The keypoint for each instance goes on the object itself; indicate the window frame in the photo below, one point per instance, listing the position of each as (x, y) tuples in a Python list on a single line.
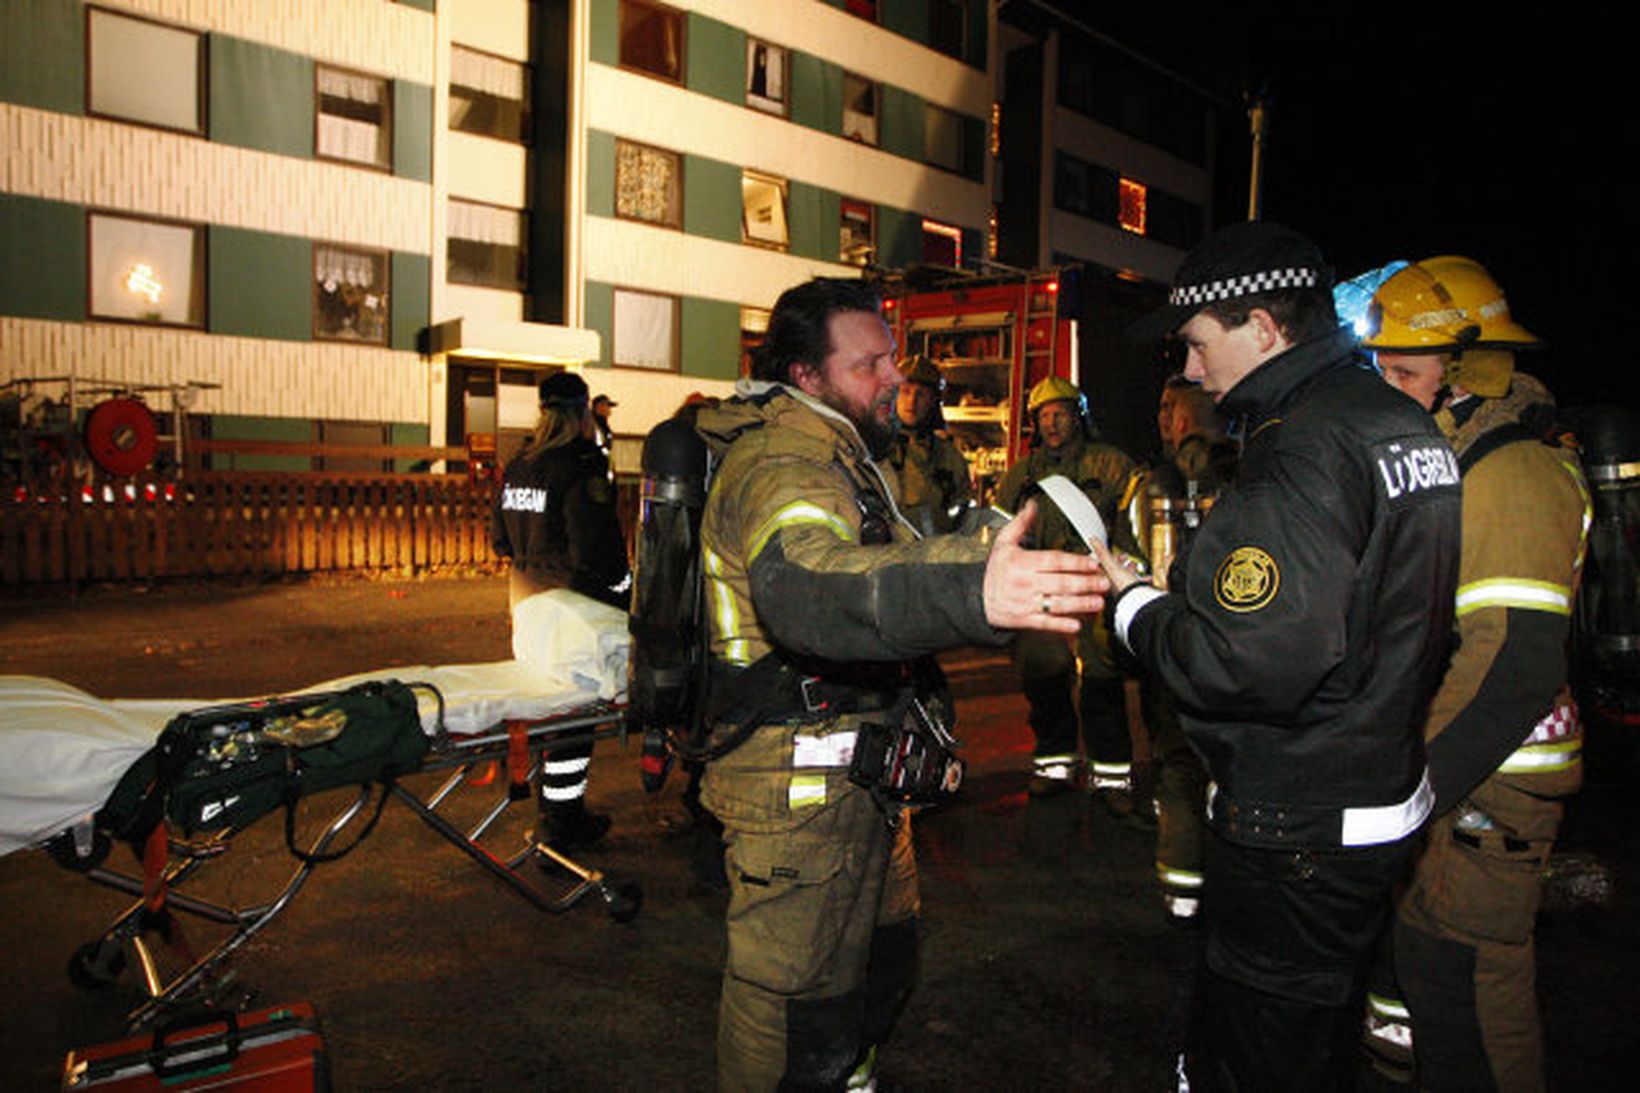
[(952, 232), (526, 118), (202, 80), (1126, 190), (676, 350), (747, 174), (870, 256), (386, 291), (784, 103), (522, 273), (683, 41), (876, 109), (198, 271), (676, 157), (385, 165)]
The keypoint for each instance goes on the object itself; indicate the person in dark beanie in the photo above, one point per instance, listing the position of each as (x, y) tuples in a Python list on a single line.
[(555, 519)]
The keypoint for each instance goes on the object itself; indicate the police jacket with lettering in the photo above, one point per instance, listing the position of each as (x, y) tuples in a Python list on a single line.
[(555, 518), (1315, 612)]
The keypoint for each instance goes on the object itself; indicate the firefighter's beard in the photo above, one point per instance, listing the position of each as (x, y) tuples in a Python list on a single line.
[(878, 424)]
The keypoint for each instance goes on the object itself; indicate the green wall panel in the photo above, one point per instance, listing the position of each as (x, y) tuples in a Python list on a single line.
[(711, 198), (411, 304), (973, 147), (42, 258), (716, 64), (287, 429), (261, 97), (261, 285), (900, 128), (42, 54), (973, 246), (899, 237), (814, 215), (413, 130), (599, 314), (605, 31), (907, 17), (410, 434), (816, 93), (600, 173), (424, 5), (711, 339)]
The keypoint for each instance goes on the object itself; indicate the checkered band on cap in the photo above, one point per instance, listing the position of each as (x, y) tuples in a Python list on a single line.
[(1232, 287)]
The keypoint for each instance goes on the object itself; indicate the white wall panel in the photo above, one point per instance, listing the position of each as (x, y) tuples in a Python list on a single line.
[(648, 110), (633, 255), (385, 38), (495, 26), (90, 161), (484, 169), (859, 46), (477, 302), (1081, 136), (258, 377), (1112, 247)]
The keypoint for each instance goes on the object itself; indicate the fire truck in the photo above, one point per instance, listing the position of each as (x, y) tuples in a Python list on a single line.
[(993, 338)]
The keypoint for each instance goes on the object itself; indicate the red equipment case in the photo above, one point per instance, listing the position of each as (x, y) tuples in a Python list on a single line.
[(270, 1051)]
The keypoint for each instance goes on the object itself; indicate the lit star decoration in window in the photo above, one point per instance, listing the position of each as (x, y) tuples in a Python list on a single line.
[(142, 281)]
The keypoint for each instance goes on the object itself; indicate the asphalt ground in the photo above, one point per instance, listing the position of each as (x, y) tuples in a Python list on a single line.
[(1046, 961)]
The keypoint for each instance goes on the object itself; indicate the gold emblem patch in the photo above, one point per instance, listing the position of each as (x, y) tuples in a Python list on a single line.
[(1247, 580)]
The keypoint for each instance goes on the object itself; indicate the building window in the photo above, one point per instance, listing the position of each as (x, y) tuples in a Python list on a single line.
[(349, 294), (859, 108), (858, 235), (766, 77), (763, 210), (754, 327), (354, 120), (145, 72), (486, 246), (942, 244), (646, 331), (948, 26), (648, 184), (652, 39), (1085, 189), (1131, 206), (942, 138), (489, 96), (146, 271)]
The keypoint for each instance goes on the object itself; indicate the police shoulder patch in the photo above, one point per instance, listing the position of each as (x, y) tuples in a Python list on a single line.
[(1247, 580)]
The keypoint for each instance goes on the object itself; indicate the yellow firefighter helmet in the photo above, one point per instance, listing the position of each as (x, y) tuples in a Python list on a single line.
[(1482, 300), (1413, 313), (1054, 389)]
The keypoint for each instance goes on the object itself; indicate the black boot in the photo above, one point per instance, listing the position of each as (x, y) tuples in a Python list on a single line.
[(567, 825)]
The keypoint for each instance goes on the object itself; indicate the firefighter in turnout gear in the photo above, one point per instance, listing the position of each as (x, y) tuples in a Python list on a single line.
[(1503, 734), (555, 519), (1048, 667), (933, 475), (1165, 506), (820, 599)]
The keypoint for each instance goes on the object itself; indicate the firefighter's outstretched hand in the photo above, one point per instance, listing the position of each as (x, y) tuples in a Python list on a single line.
[(1039, 589)]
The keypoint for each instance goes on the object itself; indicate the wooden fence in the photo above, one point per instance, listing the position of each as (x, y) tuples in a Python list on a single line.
[(251, 523)]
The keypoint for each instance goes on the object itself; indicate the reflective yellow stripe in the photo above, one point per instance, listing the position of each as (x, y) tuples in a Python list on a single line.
[(807, 790), (1178, 878), (1393, 1008), (792, 515), (1588, 511), (1544, 758), (1514, 592), (724, 614)]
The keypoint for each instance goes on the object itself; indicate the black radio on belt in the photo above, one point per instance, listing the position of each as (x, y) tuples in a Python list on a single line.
[(911, 761)]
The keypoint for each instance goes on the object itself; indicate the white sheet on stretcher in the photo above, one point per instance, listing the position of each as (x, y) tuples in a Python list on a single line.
[(62, 751)]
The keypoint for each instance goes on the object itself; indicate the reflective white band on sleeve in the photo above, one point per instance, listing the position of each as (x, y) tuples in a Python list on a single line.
[(1503, 592), (1129, 606), (1386, 823), (563, 793), (565, 766), (833, 750)]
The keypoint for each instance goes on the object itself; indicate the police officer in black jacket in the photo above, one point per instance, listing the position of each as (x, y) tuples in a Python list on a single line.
[(1302, 645), (555, 518)]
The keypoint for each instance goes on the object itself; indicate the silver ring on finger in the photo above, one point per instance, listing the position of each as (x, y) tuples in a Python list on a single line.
[(1047, 604)]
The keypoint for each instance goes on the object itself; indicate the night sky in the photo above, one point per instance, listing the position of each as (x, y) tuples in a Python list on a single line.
[(1466, 132)]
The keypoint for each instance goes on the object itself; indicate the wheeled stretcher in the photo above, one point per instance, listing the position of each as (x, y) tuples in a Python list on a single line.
[(62, 752)]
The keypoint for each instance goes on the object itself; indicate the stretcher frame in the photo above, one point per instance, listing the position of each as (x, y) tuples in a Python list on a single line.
[(99, 962)]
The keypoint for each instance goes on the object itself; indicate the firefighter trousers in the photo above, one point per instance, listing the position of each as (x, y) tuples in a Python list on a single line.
[(1048, 675), (1464, 954)]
